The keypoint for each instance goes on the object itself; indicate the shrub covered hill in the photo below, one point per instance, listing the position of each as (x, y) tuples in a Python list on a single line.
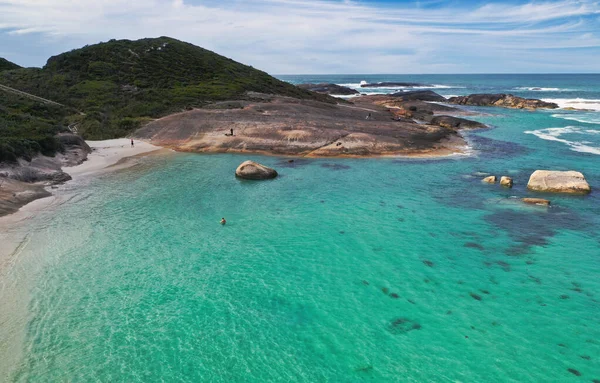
[(7, 65), (110, 89)]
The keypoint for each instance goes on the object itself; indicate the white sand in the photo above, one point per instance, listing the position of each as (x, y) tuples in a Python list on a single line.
[(105, 154)]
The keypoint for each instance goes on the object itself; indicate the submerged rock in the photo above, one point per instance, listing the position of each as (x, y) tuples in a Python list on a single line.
[(536, 201), (549, 181), (506, 181), (251, 170), (490, 179), (503, 100)]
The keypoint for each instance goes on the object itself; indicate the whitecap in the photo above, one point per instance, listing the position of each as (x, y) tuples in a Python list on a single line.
[(554, 134), (588, 118), (541, 89), (575, 103)]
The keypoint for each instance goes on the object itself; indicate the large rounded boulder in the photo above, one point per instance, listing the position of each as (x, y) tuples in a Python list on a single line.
[(549, 181), (251, 170)]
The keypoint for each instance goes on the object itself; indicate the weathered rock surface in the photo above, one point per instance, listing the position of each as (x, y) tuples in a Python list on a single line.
[(14, 194), (549, 181), (490, 179), (503, 100), (332, 89), (251, 170), (419, 95), (284, 126), (452, 122), (389, 84), (506, 181), (536, 201)]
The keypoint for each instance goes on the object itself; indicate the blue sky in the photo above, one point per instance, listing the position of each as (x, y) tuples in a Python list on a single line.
[(326, 36)]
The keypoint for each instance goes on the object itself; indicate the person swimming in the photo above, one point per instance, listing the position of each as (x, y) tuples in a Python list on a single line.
[(223, 222)]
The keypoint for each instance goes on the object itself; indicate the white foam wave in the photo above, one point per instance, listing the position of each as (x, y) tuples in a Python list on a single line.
[(540, 89), (554, 134), (575, 103), (585, 117)]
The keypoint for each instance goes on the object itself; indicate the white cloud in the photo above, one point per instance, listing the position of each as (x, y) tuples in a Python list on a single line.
[(311, 36)]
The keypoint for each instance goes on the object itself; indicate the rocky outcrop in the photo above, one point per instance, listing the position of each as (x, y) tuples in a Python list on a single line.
[(286, 126), (14, 194), (419, 95), (332, 89), (451, 122), (251, 170), (502, 100), (490, 179), (570, 182), (536, 201), (506, 181), (389, 84), (76, 149)]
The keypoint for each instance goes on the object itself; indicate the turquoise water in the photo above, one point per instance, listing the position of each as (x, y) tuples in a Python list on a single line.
[(377, 270)]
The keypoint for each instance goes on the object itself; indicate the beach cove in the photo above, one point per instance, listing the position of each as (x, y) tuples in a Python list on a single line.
[(339, 269)]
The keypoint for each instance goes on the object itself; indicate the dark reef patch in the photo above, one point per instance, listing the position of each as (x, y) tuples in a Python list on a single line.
[(491, 148), (574, 372), (295, 163), (403, 326), (335, 166), (428, 263), (535, 228), (505, 266), (394, 295), (474, 245), (475, 296)]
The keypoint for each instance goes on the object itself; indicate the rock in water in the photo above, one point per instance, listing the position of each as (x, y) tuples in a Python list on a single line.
[(506, 181), (536, 201), (570, 182), (503, 100), (251, 170), (490, 179)]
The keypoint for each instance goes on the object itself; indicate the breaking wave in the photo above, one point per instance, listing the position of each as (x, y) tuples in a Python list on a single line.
[(583, 146)]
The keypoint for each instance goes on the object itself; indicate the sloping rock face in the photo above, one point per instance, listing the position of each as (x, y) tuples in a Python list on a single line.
[(490, 179), (251, 170), (419, 95), (333, 89), (285, 126), (502, 100), (76, 149), (549, 181), (506, 181)]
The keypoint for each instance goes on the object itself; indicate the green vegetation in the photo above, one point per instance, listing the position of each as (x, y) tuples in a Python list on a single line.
[(7, 65), (119, 85), (28, 127)]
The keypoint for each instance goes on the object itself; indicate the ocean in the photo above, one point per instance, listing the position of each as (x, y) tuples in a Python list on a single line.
[(340, 270)]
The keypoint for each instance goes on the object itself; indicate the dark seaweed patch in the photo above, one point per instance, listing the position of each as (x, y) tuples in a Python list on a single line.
[(394, 295), (295, 163), (403, 326), (586, 357), (366, 283), (474, 245), (564, 296), (574, 372), (385, 290), (475, 296), (535, 228), (491, 148), (505, 266), (427, 262), (334, 166)]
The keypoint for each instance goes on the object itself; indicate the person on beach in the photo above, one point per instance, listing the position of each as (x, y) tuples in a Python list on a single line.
[(132, 142), (223, 222), (232, 132), (368, 116)]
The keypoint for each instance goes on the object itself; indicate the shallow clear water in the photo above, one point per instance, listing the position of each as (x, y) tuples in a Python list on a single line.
[(339, 270)]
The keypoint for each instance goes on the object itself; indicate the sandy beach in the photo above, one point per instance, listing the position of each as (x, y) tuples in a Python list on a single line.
[(107, 155)]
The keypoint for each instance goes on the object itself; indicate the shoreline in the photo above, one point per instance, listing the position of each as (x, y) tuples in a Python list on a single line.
[(107, 155)]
